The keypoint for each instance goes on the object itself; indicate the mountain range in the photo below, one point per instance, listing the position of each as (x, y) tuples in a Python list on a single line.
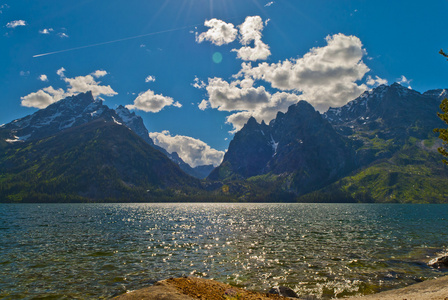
[(379, 147)]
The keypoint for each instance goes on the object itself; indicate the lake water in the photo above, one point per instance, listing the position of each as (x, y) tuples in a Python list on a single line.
[(66, 251)]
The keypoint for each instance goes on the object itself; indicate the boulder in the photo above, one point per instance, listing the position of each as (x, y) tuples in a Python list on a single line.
[(283, 291), (439, 262)]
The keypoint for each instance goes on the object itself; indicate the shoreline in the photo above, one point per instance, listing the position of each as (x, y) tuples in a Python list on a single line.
[(189, 288)]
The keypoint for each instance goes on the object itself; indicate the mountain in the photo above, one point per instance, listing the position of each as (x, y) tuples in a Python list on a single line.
[(299, 146), (382, 120), (77, 110), (78, 148), (392, 130), (379, 147)]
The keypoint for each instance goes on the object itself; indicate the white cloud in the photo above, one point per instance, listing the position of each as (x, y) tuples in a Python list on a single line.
[(24, 73), (150, 78), (325, 76), (46, 31), (80, 84), (43, 77), (375, 81), (220, 32), (14, 24), (60, 72), (193, 151), (250, 31), (404, 81), (226, 96), (279, 102), (62, 35), (150, 102), (241, 96), (99, 73), (42, 98), (269, 4), (203, 105), (199, 84), (259, 52)]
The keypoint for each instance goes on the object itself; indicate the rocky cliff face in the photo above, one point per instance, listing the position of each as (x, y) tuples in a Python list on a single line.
[(299, 145)]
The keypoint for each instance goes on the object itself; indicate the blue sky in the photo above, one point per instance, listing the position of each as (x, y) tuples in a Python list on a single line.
[(326, 52)]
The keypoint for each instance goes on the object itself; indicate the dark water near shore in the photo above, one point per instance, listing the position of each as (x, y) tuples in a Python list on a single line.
[(99, 250)]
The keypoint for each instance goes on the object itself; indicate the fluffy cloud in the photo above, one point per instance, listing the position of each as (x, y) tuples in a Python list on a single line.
[(199, 84), (404, 81), (60, 72), (62, 35), (279, 102), (43, 78), (80, 84), (231, 96), (259, 52), (99, 73), (42, 98), (150, 102), (325, 76), (46, 31), (193, 151), (375, 81), (241, 96), (269, 4), (220, 32), (150, 79), (250, 31), (14, 24)]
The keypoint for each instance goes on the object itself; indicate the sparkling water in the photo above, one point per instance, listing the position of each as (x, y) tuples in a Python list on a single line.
[(92, 251)]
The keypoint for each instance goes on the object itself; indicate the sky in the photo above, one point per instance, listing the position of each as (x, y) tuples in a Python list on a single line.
[(196, 70)]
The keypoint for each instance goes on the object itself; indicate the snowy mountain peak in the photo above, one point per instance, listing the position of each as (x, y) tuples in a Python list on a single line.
[(69, 112)]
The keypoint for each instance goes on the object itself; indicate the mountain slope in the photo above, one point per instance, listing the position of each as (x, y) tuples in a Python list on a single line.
[(392, 129), (299, 146), (77, 110), (97, 160)]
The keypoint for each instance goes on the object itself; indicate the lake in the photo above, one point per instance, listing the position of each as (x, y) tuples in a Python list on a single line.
[(92, 251)]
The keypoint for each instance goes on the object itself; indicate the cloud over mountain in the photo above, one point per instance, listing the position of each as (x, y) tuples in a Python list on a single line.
[(325, 76), (80, 84), (193, 151)]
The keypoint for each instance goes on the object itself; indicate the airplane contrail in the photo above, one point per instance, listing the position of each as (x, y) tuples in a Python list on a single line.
[(115, 41)]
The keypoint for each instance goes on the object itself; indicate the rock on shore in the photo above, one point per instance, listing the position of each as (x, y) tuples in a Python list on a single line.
[(190, 288)]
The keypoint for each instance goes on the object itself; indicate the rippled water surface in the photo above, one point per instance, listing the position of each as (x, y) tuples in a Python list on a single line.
[(100, 250)]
